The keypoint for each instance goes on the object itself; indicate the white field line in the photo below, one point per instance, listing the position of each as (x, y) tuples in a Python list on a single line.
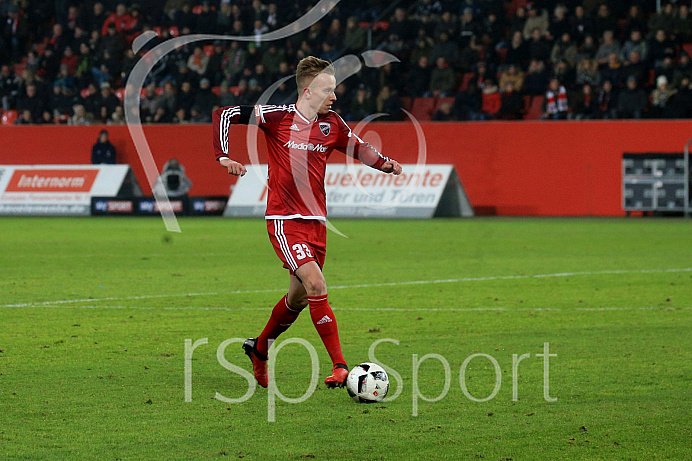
[(344, 287), (387, 309)]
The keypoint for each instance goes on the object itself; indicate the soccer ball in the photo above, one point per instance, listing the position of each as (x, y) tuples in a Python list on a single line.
[(367, 383)]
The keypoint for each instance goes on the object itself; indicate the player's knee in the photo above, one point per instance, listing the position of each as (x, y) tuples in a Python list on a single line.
[(315, 286), (298, 302)]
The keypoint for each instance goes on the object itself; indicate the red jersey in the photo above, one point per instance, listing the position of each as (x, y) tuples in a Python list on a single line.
[(298, 151)]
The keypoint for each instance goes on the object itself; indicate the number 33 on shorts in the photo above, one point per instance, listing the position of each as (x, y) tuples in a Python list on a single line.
[(301, 250)]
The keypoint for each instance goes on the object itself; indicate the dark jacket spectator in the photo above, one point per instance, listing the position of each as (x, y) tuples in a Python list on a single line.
[(632, 101), (103, 151), (511, 103)]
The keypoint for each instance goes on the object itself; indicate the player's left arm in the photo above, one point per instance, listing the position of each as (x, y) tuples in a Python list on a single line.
[(350, 144)]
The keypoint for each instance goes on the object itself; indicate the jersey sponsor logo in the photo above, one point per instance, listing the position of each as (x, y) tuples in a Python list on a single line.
[(52, 180), (305, 146), (325, 128)]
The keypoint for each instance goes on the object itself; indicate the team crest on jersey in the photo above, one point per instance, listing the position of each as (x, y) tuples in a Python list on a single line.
[(325, 128)]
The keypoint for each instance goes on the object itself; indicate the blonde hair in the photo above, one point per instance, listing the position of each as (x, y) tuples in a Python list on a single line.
[(309, 68)]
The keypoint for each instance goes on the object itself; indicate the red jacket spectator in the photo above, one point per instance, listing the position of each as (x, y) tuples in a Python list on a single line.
[(121, 18)]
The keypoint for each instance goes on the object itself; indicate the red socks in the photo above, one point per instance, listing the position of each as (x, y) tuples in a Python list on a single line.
[(325, 323), (282, 317), (322, 316)]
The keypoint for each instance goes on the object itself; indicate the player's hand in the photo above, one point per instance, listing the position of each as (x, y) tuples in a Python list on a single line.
[(234, 168), (391, 166)]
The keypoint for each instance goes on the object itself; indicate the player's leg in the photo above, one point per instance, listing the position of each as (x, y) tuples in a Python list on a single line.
[(283, 315), (324, 320)]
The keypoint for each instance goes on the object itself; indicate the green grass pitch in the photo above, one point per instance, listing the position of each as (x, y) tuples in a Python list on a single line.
[(95, 314)]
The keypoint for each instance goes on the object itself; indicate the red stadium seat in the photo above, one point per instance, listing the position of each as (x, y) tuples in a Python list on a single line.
[(535, 109), (120, 93), (407, 102), (8, 117), (688, 48), (423, 108), (173, 30), (216, 90)]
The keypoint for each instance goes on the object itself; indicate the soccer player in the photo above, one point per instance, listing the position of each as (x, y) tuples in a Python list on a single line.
[(300, 137)]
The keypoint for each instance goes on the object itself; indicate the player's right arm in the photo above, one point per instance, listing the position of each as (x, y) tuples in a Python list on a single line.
[(221, 120)]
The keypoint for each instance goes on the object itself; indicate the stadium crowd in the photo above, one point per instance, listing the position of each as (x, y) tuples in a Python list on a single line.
[(68, 61)]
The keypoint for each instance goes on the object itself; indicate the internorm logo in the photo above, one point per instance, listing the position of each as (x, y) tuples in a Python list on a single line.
[(345, 66)]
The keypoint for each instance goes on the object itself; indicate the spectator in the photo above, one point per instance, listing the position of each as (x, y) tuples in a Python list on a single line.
[(683, 24), (443, 113), (121, 20), (511, 103), (681, 102), (682, 70), (604, 21), (205, 100), (31, 102), (606, 101), (9, 87), (205, 21), (613, 71), (185, 98), (103, 152), (167, 98), (362, 104), (419, 78), (564, 73), (106, 102), (660, 48), (663, 20), (564, 49), (517, 22), (491, 100), (442, 79), (556, 105), (80, 116), (587, 72), (634, 21), (635, 43), (513, 75), (61, 103), (468, 28), (15, 29), (636, 68), (25, 118), (388, 102), (198, 61), (355, 37), (536, 78), (632, 101), (445, 48), (468, 103), (559, 24), (584, 103), (518, 51), (539, 47), (660, 98), (587, 49), (535, 21), (607, 48), (581, 25)]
